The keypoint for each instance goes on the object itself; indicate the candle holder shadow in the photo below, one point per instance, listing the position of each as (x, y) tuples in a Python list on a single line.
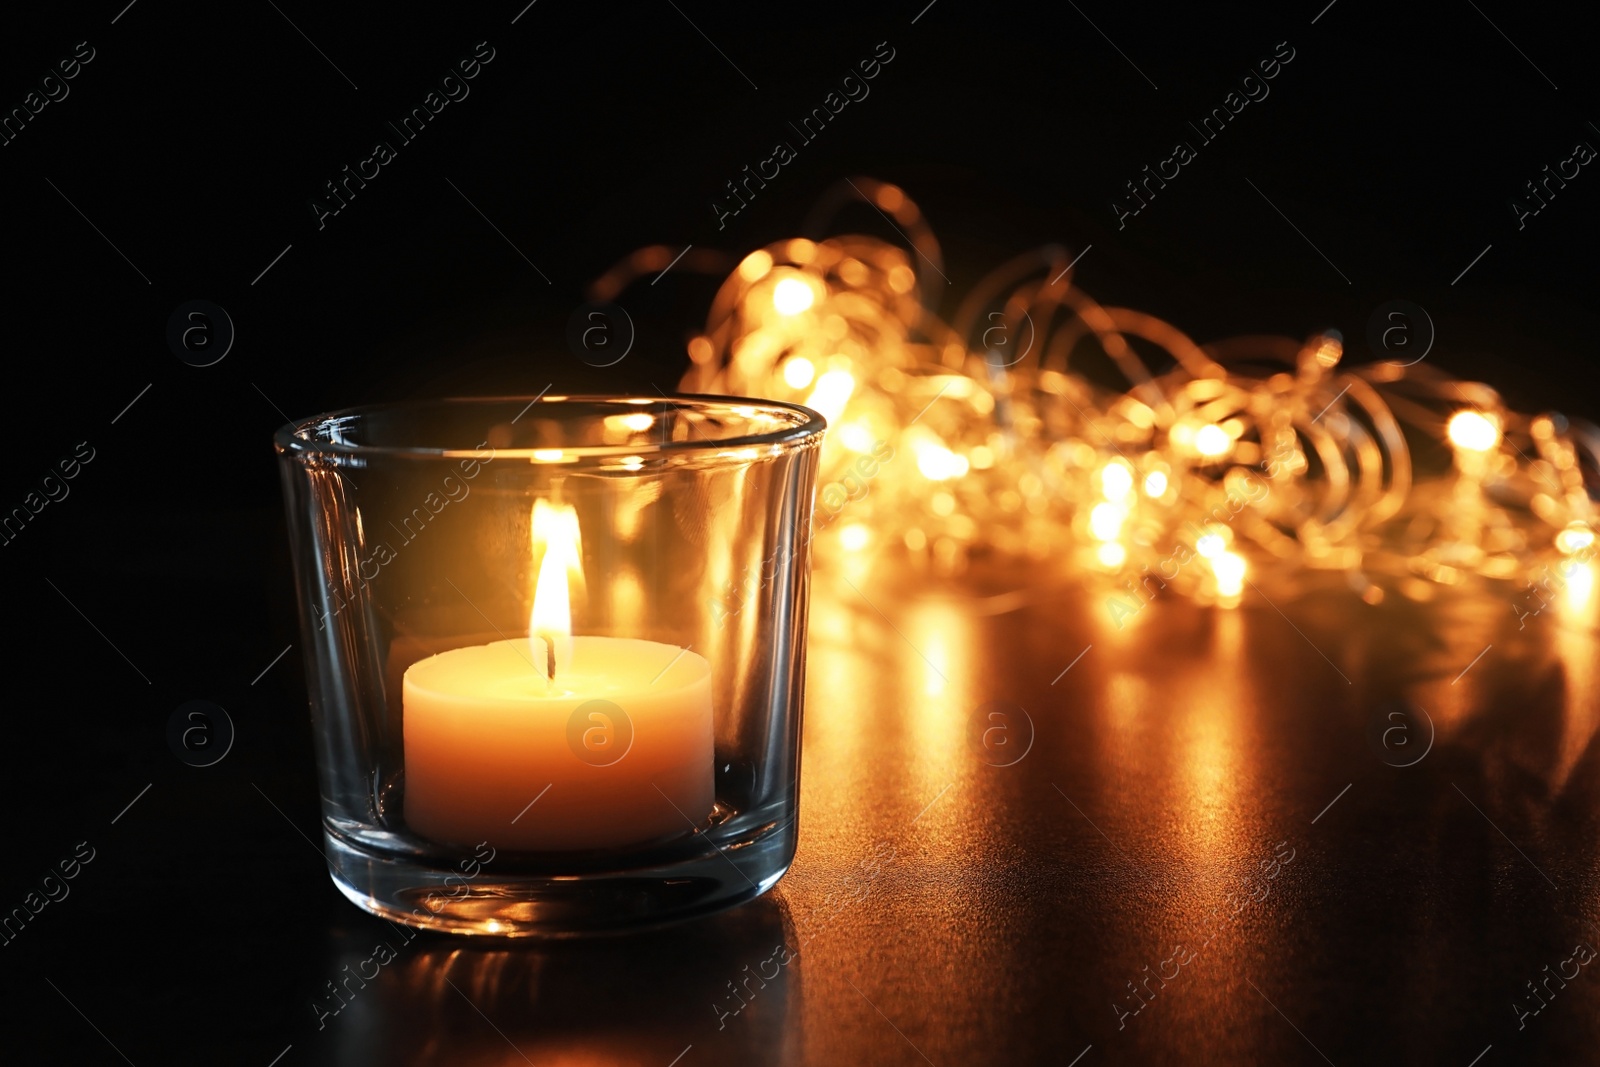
[(555, 653)]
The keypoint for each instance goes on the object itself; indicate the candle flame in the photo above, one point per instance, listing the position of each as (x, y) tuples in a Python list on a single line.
[(555, 533)]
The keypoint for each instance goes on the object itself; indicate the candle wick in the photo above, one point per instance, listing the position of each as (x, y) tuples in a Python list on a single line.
[(549, 659)]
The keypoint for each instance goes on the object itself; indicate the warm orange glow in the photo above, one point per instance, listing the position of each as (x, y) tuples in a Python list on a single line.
[(1473, 431), (1116, 480), (754, 267), (939, 662), (798, 372), (628, 596), (1575, 538), (1105, 521), (1038, 455), (620, 427), (1229, 568), (856, 437), (1212, 441), (1212, 543), (854, 537), (1580, 589), (792, 296), (831, 394), (936, 462)]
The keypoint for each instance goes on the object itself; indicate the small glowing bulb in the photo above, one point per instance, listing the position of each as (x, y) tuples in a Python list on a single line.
[(856, 437), (1111, 554), (792, 296), (1210, 544), (937, 463), (547, 455), (1212, 440), (1105, 521), (831, 393), (1229, 568), (639, 422), (1575, 538), (1473, 431), (798, 372), (1116, 480), (854, 537), (754, 267), (1155, 483)]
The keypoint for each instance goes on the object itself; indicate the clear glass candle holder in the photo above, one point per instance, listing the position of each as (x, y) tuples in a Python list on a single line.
[(555, 652)]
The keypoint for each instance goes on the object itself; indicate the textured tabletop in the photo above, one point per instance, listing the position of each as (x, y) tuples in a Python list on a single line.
[(1327, 833)]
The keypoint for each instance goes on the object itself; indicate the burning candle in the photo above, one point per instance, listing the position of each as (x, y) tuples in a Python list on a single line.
[(556, 742)]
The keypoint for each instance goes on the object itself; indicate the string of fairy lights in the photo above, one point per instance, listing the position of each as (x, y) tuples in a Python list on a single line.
[(1259, 463)]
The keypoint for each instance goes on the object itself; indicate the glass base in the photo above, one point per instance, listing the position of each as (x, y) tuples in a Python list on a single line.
[(500, 902)]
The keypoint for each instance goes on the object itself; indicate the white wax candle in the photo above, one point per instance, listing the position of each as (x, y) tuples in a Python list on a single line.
[(487, 735)]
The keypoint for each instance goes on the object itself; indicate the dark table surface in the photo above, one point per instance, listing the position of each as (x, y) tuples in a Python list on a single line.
[(1327, 833)]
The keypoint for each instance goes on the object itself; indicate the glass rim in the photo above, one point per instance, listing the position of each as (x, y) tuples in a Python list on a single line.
[(806, 430)]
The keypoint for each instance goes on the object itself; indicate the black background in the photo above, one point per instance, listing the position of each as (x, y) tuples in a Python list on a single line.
[(1395, 140)]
